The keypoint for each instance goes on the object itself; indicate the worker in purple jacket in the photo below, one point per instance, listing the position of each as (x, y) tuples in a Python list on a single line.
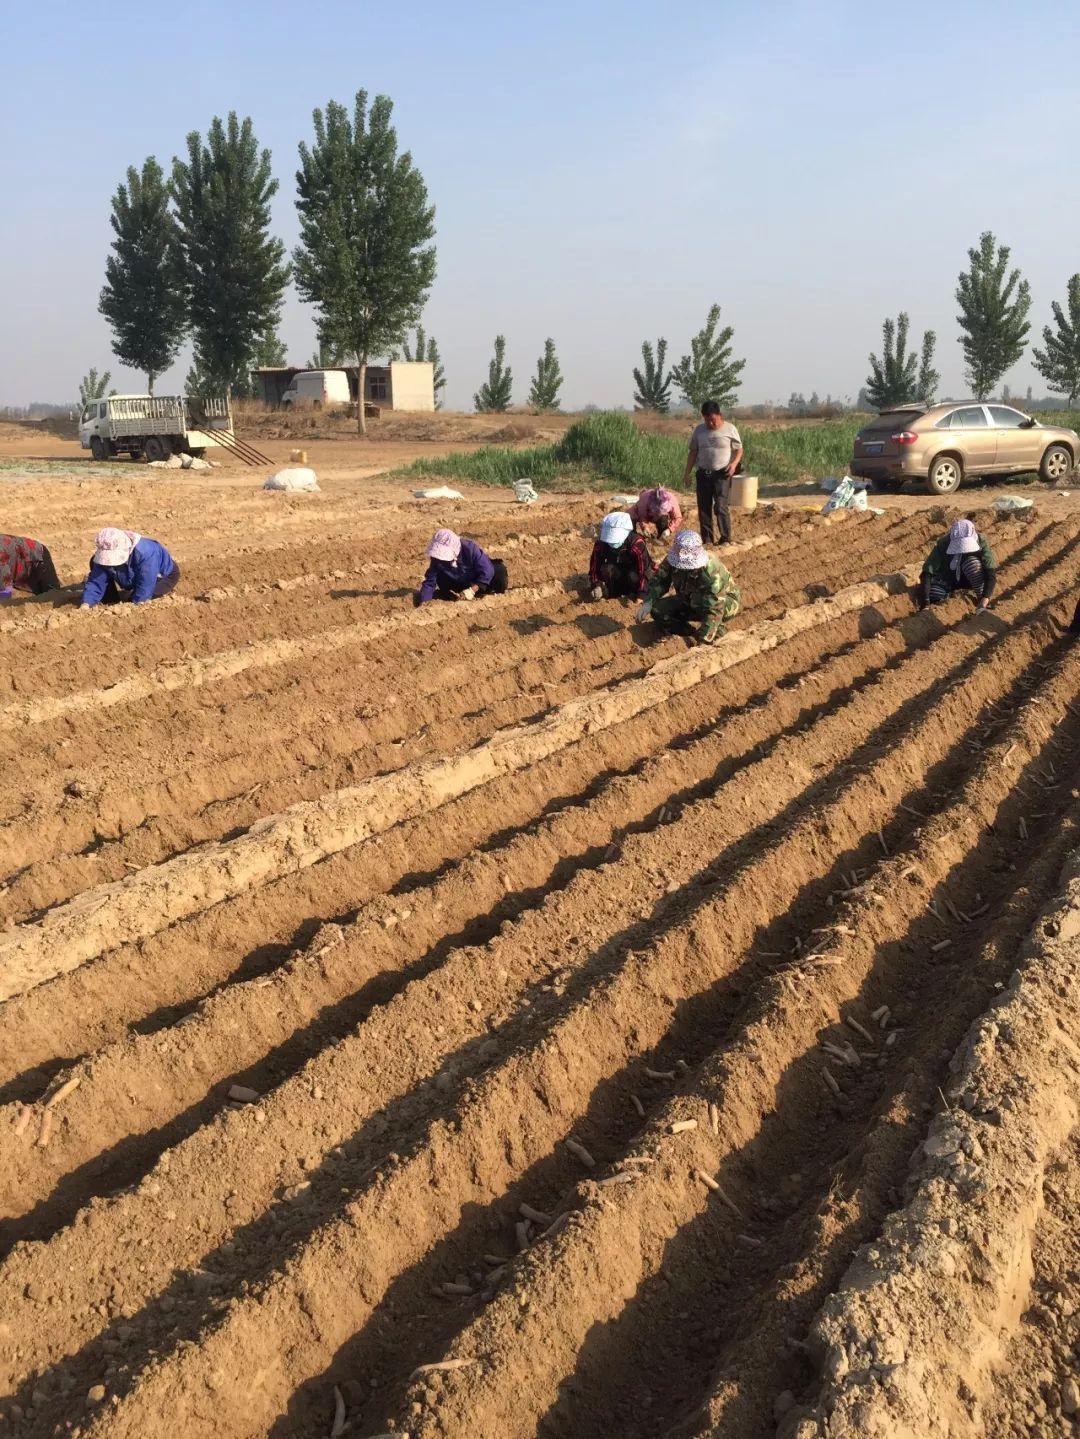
[(128, 566), (459, 570)]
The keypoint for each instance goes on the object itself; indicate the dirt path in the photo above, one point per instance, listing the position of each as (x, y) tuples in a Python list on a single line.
[(589, 996)]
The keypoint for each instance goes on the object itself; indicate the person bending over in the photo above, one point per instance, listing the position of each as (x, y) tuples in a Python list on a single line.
[(128, 567), (459, 570), (960, 560), (25, 564), (657, 507), (704, 593), (620, 562)]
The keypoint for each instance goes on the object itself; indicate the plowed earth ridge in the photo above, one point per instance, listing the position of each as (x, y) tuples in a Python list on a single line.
[(568, 919)]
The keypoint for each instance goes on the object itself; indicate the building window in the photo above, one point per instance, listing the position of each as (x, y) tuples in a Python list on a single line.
[(378, 387)]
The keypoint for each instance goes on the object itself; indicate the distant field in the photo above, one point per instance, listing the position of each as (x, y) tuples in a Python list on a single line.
[(609, 449)]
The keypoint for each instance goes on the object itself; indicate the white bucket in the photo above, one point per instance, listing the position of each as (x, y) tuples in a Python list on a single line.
[(744, 492)]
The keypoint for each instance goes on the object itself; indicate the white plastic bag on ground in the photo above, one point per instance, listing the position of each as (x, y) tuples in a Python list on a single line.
[(174, 462), (1008, 504), (845, 497), (440, 492), (292, 477), (525, 492), (620, 500)]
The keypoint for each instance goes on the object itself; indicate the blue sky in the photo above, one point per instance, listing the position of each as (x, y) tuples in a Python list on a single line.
[(602, 172)]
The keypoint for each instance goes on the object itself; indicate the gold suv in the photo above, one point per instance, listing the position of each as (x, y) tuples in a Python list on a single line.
[(945, 444)]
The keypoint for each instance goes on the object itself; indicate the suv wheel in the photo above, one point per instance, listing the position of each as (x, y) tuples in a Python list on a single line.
[(1056, 464), (944, 476), (97, 447)]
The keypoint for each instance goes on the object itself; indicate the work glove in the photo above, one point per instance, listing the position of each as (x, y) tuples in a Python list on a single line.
[(597, 592), (644, 610), (709, 632), (469, 593)]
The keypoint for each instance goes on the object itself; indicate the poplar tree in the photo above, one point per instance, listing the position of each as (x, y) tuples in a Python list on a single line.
[(994, 303), (143, 296), (901, 377), (653, 383), (365, 257), (93, 387), (709, 372), (494, 394), (235, 270), (547, 382), (1059, 361)]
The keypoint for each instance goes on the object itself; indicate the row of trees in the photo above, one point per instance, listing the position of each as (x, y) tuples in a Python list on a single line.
[(494, 395), (994, 302), (708, 372), (193, 254)]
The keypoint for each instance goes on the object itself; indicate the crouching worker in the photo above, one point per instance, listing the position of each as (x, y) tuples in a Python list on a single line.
[(620, 563), (657, 507), (25, 564), (459, 570), (704, 591), (128, 567), (961, 560)]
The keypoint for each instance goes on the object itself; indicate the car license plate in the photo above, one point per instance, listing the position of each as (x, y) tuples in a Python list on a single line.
[(874, 449)]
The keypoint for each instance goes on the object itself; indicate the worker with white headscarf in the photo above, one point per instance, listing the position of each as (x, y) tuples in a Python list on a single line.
[(620, 562), (128, 566), (960, 560), (704, 591)]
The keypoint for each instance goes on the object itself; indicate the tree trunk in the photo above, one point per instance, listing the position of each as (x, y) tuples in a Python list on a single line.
[(150, 382), (361, 388)]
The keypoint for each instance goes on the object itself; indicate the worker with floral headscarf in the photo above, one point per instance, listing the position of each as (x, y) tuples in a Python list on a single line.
[(703, 591), (657, 507), (459, 569), (961, 560), (25, 564), (128, 566)]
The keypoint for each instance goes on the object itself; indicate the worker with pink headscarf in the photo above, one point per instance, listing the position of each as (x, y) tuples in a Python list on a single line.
[(128, 566), (960, 560), (657, 507), (459, 569)]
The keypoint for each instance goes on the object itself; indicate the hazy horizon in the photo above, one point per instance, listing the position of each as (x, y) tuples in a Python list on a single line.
[(597, 176)]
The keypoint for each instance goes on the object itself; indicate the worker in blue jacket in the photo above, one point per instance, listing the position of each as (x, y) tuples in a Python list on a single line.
[(458, 569), (127, 566)]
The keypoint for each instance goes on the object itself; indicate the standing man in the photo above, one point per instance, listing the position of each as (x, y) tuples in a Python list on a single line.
[(715, 452)]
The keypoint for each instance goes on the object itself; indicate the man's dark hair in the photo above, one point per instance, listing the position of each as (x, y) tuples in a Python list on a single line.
[(710, 407)]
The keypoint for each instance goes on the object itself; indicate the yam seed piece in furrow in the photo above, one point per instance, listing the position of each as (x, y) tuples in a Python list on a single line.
[(589, 1041), (153, 898), (301, 994), (610, 1249)]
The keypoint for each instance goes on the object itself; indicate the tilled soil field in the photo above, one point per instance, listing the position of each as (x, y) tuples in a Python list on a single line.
[(495, 1020)]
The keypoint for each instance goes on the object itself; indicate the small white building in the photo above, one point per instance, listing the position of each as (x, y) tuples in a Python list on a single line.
[(400, 385)]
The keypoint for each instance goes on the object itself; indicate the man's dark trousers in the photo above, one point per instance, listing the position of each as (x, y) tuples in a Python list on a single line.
[(713, 497)]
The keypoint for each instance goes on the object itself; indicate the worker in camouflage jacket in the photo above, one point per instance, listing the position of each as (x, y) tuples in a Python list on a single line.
[(704, 592)]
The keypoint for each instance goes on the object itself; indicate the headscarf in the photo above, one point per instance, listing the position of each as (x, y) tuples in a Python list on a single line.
[(113, 546), (615, 529), (663, 501), (963, 540), (687, 551), (445, 545)]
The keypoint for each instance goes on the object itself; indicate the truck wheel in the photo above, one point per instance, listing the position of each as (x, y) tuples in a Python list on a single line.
[(945, 475), (156, 448), (97, 447)]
